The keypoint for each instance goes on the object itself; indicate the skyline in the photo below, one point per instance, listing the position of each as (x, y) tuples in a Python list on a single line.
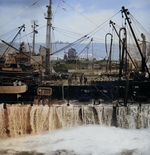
[(71, 20)]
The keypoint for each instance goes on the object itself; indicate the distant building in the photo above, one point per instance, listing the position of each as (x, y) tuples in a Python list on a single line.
[(72, 53)]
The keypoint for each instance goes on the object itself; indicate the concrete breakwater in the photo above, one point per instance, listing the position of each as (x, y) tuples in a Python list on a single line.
[(18, 120)]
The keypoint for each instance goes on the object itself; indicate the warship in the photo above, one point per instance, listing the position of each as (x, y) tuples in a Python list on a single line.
[(20, 82), (36, 97)]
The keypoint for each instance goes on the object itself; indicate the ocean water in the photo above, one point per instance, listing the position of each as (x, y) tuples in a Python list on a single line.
[(81, 140)]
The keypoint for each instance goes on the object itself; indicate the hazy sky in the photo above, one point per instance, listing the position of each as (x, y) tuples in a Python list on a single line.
[(79, 17)]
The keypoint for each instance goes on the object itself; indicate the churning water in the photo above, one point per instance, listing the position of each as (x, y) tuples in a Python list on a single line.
[(83, 140), (80, 130)]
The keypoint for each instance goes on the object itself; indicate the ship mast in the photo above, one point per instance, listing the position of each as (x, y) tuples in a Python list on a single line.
[(144, 65), (48, 37), (34, 32)]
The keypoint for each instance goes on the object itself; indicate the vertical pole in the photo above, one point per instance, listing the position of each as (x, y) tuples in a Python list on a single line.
[(110, 53), (143, 46), (108, 66), (34, 32), (48, 37), (124, 47), (62, 93), (92, 57), (33, 38), (87, 53), (68, 94), (76, 63), (126, 92)]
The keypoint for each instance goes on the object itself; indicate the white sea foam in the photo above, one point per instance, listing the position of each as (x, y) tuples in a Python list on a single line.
[(84, 140)]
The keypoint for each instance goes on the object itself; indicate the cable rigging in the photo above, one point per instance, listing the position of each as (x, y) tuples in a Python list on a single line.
[(80, 13), (9, 32), (99, 26), (20, 13), (65, 34), (66, 31), (12, 34), (40, 7), (86, 47), (132, 17), (71, 44), (95, 30), (56, 8)]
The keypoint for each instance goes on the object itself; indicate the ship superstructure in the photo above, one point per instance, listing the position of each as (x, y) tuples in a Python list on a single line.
[(128, 82)]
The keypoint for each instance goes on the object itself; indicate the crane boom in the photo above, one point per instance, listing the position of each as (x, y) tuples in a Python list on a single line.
[(7, 49)]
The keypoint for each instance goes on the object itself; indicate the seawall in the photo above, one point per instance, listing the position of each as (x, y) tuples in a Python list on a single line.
[(18, 120)]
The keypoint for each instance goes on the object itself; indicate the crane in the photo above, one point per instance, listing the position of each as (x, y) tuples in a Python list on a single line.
[(8, 48)]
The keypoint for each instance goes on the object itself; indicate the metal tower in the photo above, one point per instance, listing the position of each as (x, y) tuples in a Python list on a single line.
[(48, 37), (34, 32)]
